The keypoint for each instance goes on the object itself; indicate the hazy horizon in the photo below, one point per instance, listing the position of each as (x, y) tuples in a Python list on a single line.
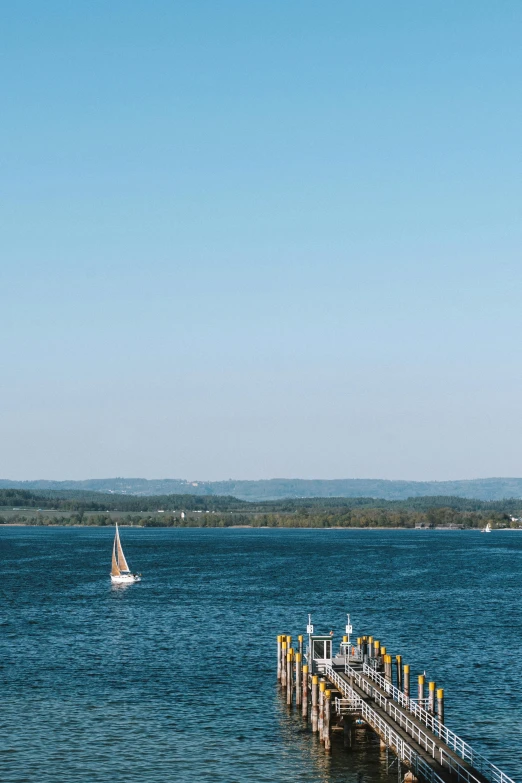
[(261, 240), (201, 480)]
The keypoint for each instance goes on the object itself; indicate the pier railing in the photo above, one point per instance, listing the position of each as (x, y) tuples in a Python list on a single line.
[(452, 740), (343, 706), (392, 739)]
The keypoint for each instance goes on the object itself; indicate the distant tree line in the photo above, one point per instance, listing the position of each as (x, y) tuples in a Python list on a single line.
[(364, 517), (79, 501)]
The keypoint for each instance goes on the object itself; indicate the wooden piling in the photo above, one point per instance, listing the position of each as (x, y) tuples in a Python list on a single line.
[(348, 732), (422, 680), (315, 711), (432, 687), (388, 667), (298, 679), (304, 711), (326, 721), (300, 640), (279, 640), (406, 688), (322, 688), (398, 661), (283, 661), (289, 678), (440, 704), (376, 649)]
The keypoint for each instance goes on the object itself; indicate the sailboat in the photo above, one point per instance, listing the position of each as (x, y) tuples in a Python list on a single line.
[(120, 573), (486, 529)]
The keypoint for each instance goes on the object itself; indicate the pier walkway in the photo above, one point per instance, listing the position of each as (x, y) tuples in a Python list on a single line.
[(356, 686), (425, 753)]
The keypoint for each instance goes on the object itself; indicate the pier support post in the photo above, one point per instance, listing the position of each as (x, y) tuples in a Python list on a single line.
[(407, 680), (322, 688), (300, 640), (398, 660), (348, 732), (421, 681), (298, 679), (382, 655), (440, 704), (289, 678), (279, 640), (431, 697), (388, 667), (315, 693), (376, 650), (304, 711), (283, 662), (326, 721)]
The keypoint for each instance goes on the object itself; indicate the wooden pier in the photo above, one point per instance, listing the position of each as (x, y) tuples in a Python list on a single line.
[(361, 684)]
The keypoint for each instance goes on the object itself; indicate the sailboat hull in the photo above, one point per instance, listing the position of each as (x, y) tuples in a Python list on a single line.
[(125, 579)]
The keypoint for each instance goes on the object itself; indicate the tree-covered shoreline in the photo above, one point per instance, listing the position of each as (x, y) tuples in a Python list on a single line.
[(96, 509)]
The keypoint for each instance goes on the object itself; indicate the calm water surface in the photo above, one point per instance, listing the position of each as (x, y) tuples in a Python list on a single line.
[(173, 679)]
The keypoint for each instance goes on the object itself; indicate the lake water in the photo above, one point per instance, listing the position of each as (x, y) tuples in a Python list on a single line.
[(174, 679)]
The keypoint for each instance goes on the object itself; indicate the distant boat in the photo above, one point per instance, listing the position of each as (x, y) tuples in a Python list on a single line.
[(486, 529), (120, 572)]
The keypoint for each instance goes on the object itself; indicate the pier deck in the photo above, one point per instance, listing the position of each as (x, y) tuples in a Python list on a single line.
[(412, 728), (403, 732)]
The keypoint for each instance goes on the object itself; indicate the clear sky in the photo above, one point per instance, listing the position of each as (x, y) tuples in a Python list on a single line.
[(261, 238)]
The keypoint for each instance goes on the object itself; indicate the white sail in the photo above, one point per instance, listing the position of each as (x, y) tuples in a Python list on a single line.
[(122, 563), (115, 570), (120, 571)]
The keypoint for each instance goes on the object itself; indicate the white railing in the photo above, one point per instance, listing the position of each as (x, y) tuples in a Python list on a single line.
[(393, 740), (462, 748), (342, 706)]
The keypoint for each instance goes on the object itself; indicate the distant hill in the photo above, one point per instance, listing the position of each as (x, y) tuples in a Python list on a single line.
[(276, 489)]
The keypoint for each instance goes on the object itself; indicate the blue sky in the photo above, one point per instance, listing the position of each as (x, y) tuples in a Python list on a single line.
[(257, 239)]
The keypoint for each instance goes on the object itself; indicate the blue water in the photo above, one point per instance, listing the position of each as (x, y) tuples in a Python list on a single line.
[(174, 679)]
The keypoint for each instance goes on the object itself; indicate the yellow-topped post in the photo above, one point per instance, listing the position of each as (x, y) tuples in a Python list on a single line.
[(421, 681), (300, 640), (315, 695), (387, 666), (432, 687), (406, 688), (322, 688), (304, 711), (398, 661), (289, 682), (440, 704), (326, 721), (283, 661), (298, 658)]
